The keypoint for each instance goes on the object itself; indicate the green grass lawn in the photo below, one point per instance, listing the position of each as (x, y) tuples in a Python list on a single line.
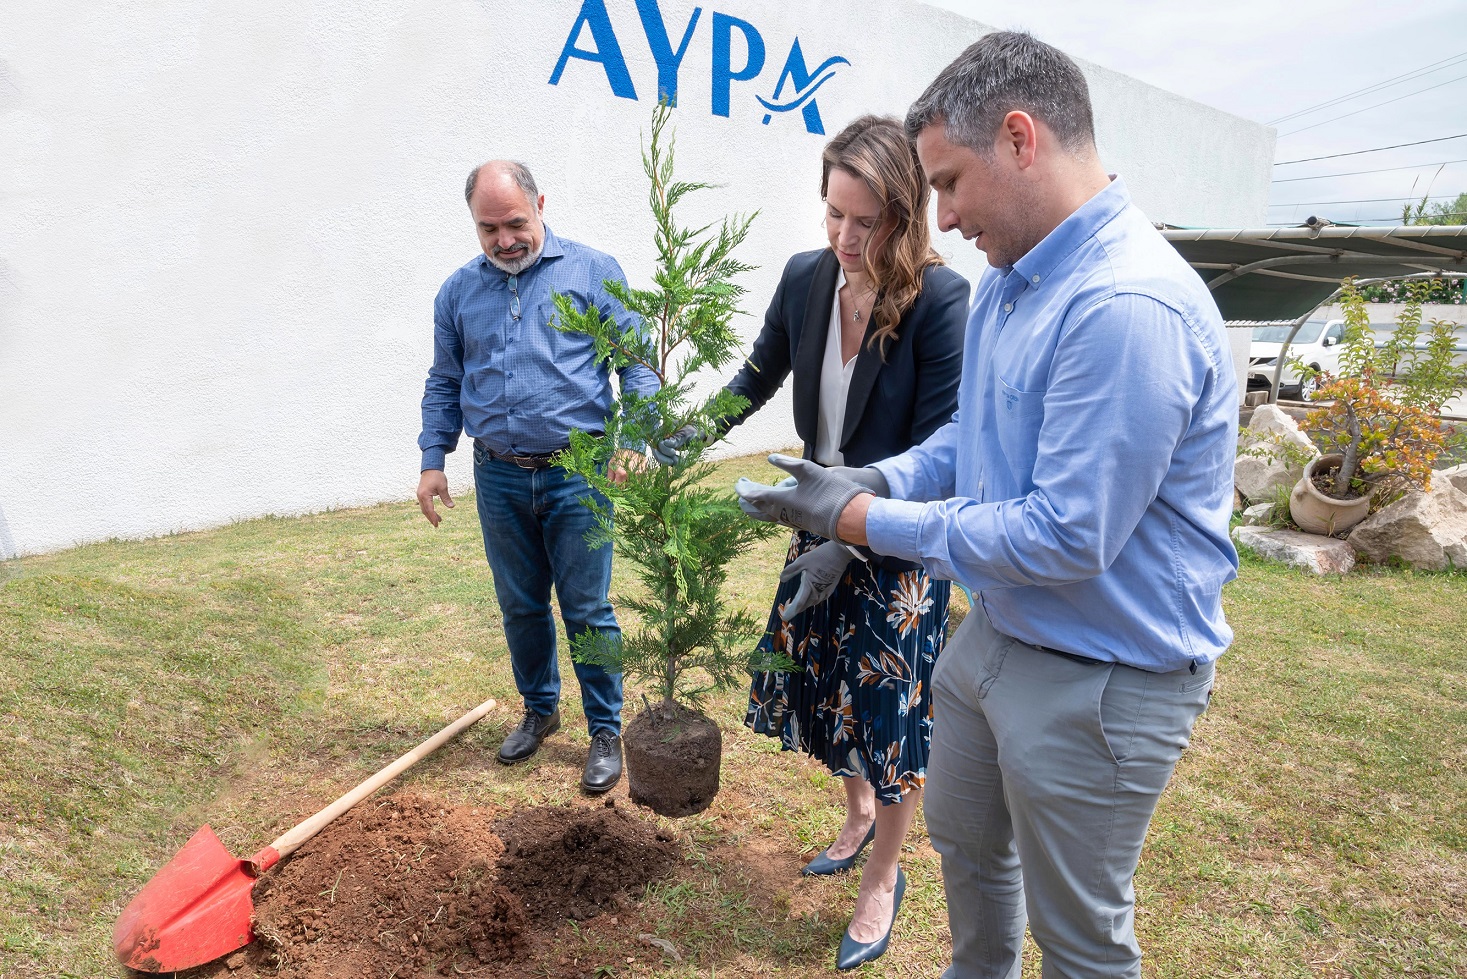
[(245, 676)]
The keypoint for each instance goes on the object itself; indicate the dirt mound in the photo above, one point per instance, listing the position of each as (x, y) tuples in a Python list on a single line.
[(406, 886), (399, 886), (567, 862)]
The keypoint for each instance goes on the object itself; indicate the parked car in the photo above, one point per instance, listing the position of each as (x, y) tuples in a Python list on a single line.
[(1317, 344)]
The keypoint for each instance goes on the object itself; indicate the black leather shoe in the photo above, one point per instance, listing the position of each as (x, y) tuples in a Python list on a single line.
[(525, 740), (853, 953), (824, 865), (603, 763)]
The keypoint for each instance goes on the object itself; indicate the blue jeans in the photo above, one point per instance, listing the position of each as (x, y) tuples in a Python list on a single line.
[(535, 528)]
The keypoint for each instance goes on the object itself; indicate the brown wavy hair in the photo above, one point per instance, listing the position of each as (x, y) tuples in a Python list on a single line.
[(875, 150)]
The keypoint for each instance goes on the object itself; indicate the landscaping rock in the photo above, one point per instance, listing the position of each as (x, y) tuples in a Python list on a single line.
[(1258, 478), (1456, 475), (1322, 555), (1275, 420), (1424, 529), (1257, 515)]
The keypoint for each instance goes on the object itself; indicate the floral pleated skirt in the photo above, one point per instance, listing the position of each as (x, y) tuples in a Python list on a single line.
[(859, 698)]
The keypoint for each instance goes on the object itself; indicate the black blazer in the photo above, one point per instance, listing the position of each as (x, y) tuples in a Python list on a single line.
[(893, 404)]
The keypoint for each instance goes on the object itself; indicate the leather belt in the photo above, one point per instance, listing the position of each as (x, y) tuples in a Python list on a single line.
[(534, 460), (1074, 657)]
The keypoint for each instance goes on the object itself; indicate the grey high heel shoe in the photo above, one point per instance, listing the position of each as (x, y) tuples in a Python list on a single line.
[(853, 953), (823, 865)]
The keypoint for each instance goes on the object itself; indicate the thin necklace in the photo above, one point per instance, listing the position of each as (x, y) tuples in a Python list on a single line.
[(856, 309)]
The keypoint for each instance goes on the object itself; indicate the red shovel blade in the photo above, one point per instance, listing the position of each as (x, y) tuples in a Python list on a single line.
[(194, 910)]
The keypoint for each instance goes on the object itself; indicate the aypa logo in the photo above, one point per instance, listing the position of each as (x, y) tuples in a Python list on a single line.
[(794, 89)]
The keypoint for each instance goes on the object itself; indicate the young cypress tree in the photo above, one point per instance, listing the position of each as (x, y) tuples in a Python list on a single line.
[(679, 532)]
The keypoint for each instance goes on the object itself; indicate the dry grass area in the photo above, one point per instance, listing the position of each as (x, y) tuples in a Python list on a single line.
[(245, 676)]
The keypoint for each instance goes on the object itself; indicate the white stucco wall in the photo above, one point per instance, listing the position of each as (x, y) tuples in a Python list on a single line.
[(222, 224)]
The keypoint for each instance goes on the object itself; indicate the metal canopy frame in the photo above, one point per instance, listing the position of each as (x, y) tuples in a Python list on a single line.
[(1274, 273)]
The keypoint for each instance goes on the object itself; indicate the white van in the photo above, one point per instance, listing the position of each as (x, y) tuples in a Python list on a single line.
[(1317, 344)]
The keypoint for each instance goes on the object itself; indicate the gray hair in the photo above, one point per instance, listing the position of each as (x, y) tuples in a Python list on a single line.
[(514, 168), (999, 73)]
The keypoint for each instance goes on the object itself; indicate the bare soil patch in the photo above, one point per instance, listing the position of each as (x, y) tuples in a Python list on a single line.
[(565, 862), (406, 886), (401, 886)]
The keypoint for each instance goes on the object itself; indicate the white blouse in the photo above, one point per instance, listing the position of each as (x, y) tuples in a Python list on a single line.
[(835, 382)]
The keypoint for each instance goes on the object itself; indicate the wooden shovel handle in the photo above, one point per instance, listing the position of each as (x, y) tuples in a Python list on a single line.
[(292, 839)]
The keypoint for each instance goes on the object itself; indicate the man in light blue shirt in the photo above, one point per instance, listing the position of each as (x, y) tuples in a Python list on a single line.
[(1082, 491), (517, 386)]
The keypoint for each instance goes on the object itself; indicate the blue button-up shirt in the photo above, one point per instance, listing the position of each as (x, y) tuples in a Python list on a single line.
[(503, 374), (1083, 488)]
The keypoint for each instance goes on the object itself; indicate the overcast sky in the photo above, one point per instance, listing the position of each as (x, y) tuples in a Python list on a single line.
[(1267, 59)]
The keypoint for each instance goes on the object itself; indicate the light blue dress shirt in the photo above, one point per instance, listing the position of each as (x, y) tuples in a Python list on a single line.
[(1084, 486), (502, 374)]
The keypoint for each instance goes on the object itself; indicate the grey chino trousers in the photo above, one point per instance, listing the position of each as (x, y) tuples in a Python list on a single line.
[(1043, 776)]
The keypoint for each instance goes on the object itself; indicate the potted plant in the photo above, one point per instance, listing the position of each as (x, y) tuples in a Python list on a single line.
[(679, 532), (1376, 423)]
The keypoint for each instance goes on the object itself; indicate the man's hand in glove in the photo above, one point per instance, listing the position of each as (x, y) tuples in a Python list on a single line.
[(821, 568), (813, 502), (668, 451), (868, 477)]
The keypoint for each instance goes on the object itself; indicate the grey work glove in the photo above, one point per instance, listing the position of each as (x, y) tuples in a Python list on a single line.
[(668, 451), (867, 477), (813, 503), (820, 569), (751, 509)]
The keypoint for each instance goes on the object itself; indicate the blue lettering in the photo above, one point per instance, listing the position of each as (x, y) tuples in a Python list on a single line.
[(723, 73), (805, 84), (795, 88), (660, 42), (607, 52)]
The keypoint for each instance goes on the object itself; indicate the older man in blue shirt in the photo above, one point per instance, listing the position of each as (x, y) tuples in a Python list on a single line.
[(1082, 491), (517, 386)]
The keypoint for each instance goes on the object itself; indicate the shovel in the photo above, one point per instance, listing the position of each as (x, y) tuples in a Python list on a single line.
[(198, 907)]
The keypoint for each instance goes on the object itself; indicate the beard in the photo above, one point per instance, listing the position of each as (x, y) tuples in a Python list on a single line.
[(515, 266), (1019, 233)]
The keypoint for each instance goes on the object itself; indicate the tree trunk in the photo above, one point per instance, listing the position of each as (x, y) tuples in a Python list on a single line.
[(1346, 473)]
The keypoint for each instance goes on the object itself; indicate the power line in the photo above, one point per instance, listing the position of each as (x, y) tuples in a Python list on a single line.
[(1387, 83), (1393, 80), (1356, 112), (1371, 200), (1357, 173), (1376, 149)]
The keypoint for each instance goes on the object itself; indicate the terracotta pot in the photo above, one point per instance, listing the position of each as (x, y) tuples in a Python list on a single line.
[(1317, 513)]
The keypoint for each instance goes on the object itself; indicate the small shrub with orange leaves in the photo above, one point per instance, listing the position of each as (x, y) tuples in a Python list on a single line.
[(1380, 412)]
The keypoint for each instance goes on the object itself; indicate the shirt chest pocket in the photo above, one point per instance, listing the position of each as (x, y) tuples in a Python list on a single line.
[(1020, 415), (483, 340)]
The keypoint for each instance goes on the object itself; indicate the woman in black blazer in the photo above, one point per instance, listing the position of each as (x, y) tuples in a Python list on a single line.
[(872, 329)]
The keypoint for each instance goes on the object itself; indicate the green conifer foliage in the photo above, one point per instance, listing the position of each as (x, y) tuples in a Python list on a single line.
[(679, 532)]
